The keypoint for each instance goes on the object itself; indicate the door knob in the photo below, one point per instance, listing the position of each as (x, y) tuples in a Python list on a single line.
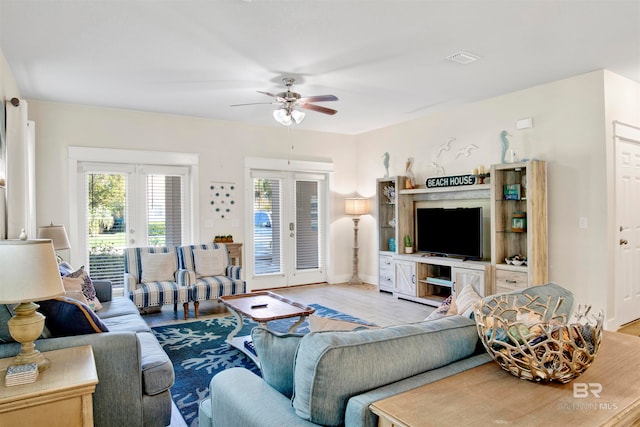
[(624, 242)]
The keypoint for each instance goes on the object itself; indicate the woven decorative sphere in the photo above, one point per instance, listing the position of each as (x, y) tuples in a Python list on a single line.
[(533, 342)]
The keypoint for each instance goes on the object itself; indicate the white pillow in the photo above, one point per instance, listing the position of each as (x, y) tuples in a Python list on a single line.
[(465, 300), (209, 262), (160, 267)]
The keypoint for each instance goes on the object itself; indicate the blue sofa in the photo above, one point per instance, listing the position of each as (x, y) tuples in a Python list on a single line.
[(330, 378), (134, 372)]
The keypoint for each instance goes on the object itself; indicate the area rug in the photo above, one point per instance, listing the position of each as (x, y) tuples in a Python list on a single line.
[(198, 351)]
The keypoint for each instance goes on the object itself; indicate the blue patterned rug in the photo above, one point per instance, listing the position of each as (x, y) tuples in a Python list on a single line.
[(198, 351)]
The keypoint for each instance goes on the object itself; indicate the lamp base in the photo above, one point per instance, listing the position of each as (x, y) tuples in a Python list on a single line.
[(355, 280), (26, 327)]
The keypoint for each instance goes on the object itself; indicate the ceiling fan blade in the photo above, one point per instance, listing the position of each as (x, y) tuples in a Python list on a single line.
[(277, 97), (254, 103), (317, 108), (319, 98)]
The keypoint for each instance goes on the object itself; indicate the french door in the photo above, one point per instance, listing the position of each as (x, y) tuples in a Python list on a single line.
[(124, 205), (288, 245)]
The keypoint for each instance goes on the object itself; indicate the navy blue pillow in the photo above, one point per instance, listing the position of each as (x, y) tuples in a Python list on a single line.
[(65, 317)]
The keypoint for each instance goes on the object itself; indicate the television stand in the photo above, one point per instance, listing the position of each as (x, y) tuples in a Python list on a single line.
[(431, 279)]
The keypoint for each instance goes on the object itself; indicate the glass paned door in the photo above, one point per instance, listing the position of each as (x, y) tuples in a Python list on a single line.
[(288, 223), (131, 205)]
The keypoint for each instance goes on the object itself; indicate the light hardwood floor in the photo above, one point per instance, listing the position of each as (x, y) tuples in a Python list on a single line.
[(362, 301)]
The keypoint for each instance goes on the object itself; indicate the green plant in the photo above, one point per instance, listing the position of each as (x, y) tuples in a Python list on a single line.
[(407, 241)]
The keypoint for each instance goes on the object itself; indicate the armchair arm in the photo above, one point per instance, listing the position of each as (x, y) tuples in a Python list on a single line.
[(185, 277), (130, 283), (234, 271)]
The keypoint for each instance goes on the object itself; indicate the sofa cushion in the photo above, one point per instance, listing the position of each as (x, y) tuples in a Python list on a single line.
[(5, 314), (117, 307), (65, 317), (127, 322), (157, 369), (277, 353), (331, 367)]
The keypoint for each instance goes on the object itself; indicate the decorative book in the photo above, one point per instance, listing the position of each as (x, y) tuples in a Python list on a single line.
[(512, 191), (21, 374), (249, 346)]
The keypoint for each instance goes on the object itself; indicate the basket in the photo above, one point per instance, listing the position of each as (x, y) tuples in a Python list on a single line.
[(532, 341)]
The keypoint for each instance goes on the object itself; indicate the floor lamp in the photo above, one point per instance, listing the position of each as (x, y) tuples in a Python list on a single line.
[(356, 206)]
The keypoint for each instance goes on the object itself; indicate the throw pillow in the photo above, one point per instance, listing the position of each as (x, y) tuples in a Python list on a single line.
[(447, 308), (465, 300), (209, 262), (88, 289), (317, 323), (65, 268), (65, 317), (160, 267), (277, 353)]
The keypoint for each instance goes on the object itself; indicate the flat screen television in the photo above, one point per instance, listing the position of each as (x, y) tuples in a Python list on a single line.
[(450, 232)]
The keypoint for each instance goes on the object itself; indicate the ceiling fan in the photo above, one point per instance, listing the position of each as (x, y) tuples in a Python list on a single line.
[(288, 101)]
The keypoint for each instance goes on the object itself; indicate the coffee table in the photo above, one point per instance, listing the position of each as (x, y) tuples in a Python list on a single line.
[(606, 394), (261, 307)]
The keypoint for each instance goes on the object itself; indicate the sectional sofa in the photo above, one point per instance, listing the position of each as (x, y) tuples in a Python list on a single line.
[(134, 372), (331, 377)]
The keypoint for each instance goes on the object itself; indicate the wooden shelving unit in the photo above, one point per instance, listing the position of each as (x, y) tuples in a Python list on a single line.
[(531, 180)]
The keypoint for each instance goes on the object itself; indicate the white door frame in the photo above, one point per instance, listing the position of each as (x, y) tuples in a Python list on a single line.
[(623, 133), (279, 165)]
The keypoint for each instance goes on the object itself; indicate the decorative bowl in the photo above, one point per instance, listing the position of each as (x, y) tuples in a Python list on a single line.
[(533, 342)]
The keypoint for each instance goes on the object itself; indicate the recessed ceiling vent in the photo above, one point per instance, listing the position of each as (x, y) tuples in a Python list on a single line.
[(463, 58)]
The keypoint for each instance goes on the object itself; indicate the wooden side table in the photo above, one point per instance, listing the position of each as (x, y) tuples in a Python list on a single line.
[(606, 394), (235, 253), (61, 396)]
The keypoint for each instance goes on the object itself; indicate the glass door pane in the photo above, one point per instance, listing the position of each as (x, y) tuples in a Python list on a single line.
[(267, 225), (307, 225), (106, 225)]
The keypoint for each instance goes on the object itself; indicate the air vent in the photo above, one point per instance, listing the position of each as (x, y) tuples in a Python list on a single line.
[(463, 58)]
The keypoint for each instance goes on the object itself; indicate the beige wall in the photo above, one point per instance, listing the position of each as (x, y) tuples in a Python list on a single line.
[(221, 146), (568, 133)]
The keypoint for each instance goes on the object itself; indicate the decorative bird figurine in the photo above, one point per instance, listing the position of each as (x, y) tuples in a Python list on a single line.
[(505, 145), (386, 164), (438, 167), (466, 151), (445, 147)]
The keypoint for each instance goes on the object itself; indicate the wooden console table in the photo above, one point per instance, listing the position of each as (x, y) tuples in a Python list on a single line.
[(61, 396), (235, 253), (608, 394)]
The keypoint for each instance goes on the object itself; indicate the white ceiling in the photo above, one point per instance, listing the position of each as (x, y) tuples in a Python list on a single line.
[(384, 60)]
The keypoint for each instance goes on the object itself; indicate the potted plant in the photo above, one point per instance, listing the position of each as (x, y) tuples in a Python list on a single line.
[(408, 246)]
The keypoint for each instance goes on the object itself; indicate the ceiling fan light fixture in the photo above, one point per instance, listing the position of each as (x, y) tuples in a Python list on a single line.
[(298, 116), (282, 116)]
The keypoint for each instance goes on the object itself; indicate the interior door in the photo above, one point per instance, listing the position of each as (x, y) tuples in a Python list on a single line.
[(627, 260), (288, 238)]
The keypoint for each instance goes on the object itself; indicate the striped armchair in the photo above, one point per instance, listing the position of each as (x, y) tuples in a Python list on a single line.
[(209, 286), (152, 278)]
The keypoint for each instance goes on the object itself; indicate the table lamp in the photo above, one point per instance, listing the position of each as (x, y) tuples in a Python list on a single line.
[(30, 273), (356, 206), (58, 234)]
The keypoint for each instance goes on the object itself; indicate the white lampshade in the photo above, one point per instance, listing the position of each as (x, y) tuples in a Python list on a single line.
[(282, 116), (29, 271), (57, 234), (298, 116), (356, 206)]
